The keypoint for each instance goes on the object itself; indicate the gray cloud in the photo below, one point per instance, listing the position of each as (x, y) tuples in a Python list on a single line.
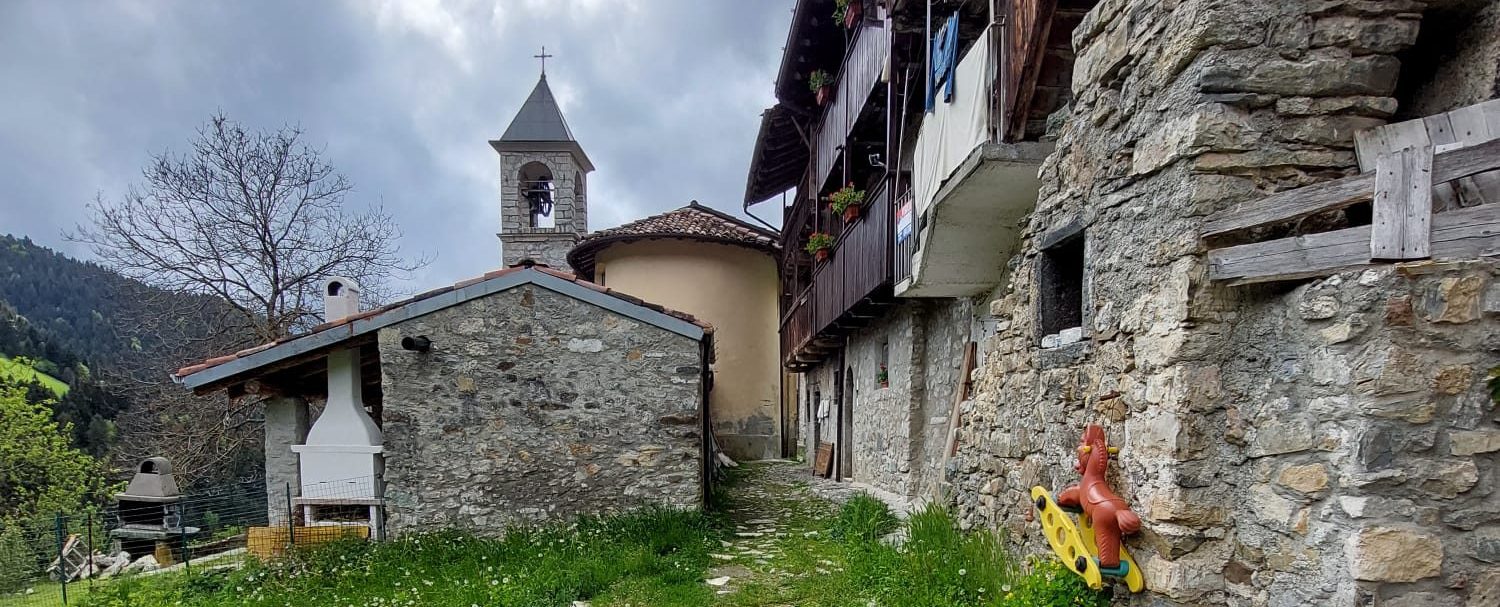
[(664, 94)]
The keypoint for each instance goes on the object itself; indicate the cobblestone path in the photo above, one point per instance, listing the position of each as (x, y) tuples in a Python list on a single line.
[(774, 508)]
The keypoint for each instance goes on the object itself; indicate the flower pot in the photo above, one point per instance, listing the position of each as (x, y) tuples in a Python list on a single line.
[(851, 213), (852, 13), (824, 92), (821, 255)]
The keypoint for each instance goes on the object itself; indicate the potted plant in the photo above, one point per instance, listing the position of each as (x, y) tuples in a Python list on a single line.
[(818, 245), (882, 377), (822, 84), (847, 11), (847, 201)]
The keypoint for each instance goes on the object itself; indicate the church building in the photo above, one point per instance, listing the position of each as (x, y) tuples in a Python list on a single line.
[(527, 394)]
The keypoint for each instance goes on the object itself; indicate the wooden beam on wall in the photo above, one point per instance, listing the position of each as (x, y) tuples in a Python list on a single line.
[(1402, 212), (1464, 233), (1295, 204)]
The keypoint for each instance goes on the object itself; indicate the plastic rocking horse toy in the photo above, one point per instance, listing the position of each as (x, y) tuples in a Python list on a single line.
[(1092, 548)]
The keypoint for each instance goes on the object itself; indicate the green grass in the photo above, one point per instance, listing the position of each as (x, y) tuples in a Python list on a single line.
[(48, 594), (651, 557), (21, 372), (825, 556), (843, 563)]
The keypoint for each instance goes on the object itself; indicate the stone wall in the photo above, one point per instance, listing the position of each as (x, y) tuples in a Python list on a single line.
[(286, 424), (898, 429), (1359, 433), (1321, 443), (534, 406), (1460, 49)]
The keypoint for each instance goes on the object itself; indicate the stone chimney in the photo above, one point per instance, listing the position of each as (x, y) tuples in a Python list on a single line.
[(340, 298)]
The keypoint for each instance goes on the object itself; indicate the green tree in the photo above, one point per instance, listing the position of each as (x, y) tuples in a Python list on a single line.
[(40, 471)]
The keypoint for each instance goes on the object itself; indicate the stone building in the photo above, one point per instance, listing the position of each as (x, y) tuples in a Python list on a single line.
[(1203, 270), (722, 270), (524, 395), (543, 183)]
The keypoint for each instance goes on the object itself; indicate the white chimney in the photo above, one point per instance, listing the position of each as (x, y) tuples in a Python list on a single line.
[(340, 298), (342, 453)]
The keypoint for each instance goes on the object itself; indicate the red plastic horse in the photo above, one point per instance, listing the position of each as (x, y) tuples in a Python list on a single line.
[(1110, 513)]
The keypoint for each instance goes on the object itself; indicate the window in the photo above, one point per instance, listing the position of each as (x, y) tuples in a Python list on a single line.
[(882, 372), (1060, 290)]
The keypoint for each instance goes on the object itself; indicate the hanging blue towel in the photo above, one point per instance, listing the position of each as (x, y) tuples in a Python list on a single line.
[(944, 61)]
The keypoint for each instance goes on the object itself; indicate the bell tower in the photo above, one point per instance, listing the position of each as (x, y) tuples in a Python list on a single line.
[(543, 183)]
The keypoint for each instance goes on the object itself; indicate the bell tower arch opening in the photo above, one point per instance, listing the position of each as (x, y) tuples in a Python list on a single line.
[(540, 193)]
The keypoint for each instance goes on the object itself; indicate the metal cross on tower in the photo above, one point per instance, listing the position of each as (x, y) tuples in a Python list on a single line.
[(543, 57)]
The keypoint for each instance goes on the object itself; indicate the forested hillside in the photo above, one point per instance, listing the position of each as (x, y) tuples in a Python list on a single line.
[(113, 341)]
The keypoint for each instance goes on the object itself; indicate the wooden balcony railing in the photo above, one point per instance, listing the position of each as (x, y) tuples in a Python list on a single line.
[(857, 78), (858, 269)]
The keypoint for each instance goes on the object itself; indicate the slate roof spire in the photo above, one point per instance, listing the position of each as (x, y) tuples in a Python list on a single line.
[(539, 119)]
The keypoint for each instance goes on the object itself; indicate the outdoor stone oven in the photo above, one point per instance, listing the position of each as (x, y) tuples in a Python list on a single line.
[(149, 512)]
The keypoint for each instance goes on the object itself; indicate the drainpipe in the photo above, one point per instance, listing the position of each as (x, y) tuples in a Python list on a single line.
[(710, 458)]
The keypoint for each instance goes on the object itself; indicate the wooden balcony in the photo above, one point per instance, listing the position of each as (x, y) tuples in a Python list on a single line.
[(856, 81), (852, 283)]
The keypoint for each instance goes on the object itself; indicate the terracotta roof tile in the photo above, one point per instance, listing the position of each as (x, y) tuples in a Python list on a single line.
[(219, 360), (692, 222)]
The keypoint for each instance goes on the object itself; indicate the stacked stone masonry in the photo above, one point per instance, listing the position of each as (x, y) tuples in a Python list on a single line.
[(533, 406), (550, 246), (899, 427), (1327, 442)]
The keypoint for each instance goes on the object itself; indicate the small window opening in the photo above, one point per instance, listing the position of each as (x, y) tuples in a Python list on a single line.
[(1060, 291), (882, 371), (334, 288)]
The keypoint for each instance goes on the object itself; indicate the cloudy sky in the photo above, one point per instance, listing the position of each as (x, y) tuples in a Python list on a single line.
[(665, 95)]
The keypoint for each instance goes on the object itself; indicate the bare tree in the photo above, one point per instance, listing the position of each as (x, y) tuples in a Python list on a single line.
[(256, 218)]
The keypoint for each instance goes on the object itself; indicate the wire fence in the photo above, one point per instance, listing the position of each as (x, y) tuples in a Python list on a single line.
[(60, 558)]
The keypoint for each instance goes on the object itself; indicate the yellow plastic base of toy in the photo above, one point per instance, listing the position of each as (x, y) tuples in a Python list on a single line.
[(1074, 544)]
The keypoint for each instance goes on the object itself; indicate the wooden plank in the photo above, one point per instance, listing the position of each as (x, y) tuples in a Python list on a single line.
[(1439, 135), (1032, 29), (965, 388), (823, 465), (1460, 234), (1400, 225), (1289, 205), (1473, 125), (1370, 143)]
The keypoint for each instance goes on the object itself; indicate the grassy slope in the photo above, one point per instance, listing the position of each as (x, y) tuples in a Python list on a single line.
[(24, 373)]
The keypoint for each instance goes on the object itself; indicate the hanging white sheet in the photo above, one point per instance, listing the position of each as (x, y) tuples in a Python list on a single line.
[(952, 130)]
